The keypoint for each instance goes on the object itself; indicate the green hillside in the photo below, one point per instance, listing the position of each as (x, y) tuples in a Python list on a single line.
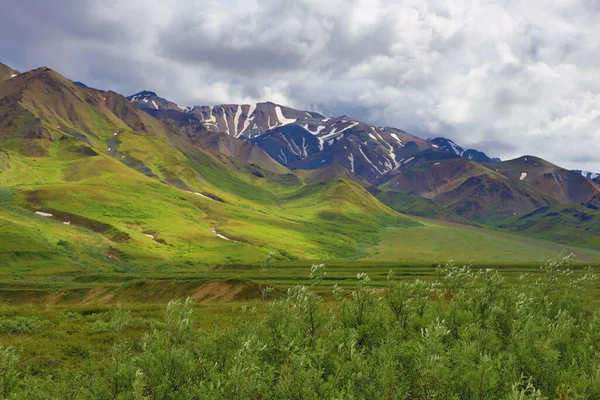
[(117, 191), (562, 223), (411, 203), (127, 192)]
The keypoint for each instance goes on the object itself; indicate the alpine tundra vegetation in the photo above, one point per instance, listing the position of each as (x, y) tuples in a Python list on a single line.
[(469, 333)]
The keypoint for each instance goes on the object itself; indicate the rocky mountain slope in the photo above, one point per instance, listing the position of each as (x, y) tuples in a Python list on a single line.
[(466, 182), (469, 154), (590, 175), (90, 181), (247, 177), (302, 139), (7, 73)]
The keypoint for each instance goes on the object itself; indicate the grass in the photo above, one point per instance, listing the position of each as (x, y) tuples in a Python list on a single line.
[(123, 181), (60, 339), (563, 223), (437, 242)]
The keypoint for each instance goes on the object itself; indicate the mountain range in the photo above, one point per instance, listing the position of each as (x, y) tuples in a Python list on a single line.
[(92, 179), (467, 182), (304, 139)]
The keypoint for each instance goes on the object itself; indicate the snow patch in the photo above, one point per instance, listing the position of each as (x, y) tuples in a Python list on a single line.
[(351, 159), (388, 164), (294, 149), (43, 214), (334, 132), (437, 163), (369, 161), (304, 148), (393, 135), (66, 222), (211, 118), (455, 148), (315, 133), (269, 123), (283, 157), (372, 136), (226, 121), (435, 145), (236, 120), (523, 175), (590, 175), (282, 120), (222, 236), (390, 148), (13, 75), (393, 155), (149, 235), (154, 104), (199, 194), (249, 118), (409, 160)]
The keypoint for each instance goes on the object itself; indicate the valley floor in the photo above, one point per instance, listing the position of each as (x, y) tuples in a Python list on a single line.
[(439, 241)]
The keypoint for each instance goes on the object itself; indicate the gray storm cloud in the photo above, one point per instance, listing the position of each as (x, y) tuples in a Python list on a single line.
[(508, 77)]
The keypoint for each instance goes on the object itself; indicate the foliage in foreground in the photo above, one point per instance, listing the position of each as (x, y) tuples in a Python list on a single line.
[(468, 335)]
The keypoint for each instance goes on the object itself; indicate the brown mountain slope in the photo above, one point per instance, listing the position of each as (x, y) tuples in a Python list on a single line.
[(466, 188), (487, 197), (367, 151), (330, 172), (7, 72), (240, 150), (431, 178), (560, 184), (40, 108)]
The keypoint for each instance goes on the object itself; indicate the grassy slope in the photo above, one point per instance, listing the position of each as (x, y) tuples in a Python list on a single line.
[(86, 172), (435, 242), (411, 203), (101, 186), (563, 223)]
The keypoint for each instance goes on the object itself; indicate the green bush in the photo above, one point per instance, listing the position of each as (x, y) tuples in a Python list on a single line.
[(21, 324), (468, 335)]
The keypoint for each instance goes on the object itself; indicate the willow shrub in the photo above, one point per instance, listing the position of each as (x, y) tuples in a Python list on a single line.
[(468, 335)]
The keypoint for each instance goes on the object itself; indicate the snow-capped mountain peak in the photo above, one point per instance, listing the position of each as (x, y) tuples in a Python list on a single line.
[(452, 147), (307, 140)]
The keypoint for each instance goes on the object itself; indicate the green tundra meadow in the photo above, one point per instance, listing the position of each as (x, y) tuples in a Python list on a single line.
[(450, 332)]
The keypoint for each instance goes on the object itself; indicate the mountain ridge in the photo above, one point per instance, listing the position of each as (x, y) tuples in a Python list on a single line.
[(392, 159), (306, 184)]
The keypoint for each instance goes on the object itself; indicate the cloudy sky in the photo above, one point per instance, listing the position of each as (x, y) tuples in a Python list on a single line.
[(504, 76)]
